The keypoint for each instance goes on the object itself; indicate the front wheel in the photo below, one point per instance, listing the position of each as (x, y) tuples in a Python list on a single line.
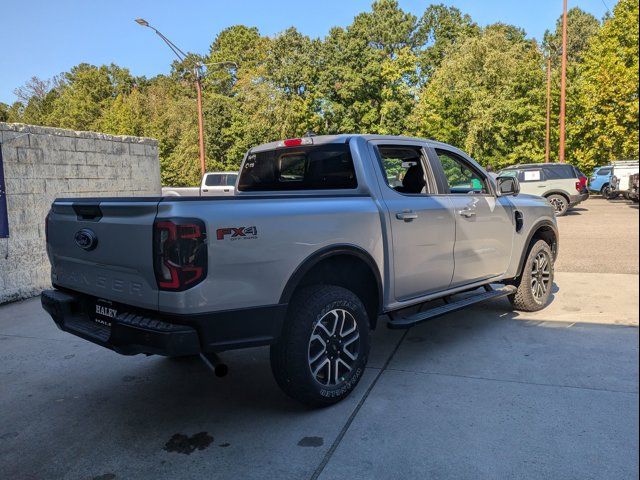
[(534, 286), (323, 350), (559, 203)]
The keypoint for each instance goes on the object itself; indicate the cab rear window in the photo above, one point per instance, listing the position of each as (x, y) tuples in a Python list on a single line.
[(313, 167)]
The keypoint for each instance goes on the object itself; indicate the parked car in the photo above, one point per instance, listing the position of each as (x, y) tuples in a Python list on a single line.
[(634, 186), (213, 184), (600, 181), (620, 175), (322, 235), (562, 184)]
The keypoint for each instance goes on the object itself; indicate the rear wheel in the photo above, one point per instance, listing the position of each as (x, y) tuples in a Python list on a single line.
[(606, 191), (323, 350), (535, 283), (560, 204)]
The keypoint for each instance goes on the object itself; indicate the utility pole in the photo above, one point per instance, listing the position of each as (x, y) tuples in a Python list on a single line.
[(203, 165), (181, 56), (547, 143), (563, 83)]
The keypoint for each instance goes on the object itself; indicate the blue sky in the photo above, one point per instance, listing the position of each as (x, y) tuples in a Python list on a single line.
[(48, 37)]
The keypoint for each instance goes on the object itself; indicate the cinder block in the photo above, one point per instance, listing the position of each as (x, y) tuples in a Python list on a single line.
[(103, 146), (24, 185), (14, 139), (64, 171), (86, 144), (57, 186), (137, 149), (65, 157), (18, 170), (120, 148), (30, 155)]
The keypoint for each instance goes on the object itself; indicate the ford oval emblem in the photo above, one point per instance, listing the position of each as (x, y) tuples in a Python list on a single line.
[(86, 239)]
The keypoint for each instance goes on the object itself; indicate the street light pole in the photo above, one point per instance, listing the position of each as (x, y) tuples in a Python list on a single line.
[(181, 56), (547, 144), (563, 83)]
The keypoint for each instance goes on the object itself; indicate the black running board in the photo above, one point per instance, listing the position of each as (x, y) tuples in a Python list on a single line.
[(397, 323)]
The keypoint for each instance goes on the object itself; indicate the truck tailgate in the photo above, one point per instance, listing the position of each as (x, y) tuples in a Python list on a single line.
[(104, 248)]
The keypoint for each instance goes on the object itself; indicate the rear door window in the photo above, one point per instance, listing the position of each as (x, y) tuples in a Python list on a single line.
[(558, 172), (404, 168), (313, 167), (604, 172)]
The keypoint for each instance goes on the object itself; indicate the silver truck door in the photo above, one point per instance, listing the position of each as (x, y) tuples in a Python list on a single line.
[(422, 227), (484, 222)]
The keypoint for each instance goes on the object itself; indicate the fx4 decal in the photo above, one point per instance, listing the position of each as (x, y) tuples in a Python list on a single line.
[(237, 233)]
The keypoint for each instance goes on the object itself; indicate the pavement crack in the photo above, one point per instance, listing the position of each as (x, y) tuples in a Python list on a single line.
[(521, 382), (327, 456)]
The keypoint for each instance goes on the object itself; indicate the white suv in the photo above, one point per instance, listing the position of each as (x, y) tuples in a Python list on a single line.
[(562, 184)]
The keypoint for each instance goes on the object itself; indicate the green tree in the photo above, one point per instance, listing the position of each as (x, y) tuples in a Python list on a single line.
[(4, 112), (369, 72), (85, 93), (608, 92), (487, 97), (440, 29)]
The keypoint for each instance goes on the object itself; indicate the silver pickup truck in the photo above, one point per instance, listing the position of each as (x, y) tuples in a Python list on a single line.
[(324, 234)]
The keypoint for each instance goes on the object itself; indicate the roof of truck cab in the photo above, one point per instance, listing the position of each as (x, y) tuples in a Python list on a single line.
[(345, 137)]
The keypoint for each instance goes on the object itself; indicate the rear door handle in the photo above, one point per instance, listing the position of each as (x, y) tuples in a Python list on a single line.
[(467, 212), (407, 215), (226, 189), (205, 189)]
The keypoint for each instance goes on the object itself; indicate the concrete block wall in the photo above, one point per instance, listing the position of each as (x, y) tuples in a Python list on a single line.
[(47, 163)]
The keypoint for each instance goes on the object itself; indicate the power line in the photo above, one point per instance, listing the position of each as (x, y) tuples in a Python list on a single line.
[(606, 6)]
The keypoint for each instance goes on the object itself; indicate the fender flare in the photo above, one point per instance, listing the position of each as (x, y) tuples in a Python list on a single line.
[(532, 231), (327, 252)]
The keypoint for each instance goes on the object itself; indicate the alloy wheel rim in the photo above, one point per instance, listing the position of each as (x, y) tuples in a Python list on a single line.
[(558, 204), (540, 276), (333, 347)]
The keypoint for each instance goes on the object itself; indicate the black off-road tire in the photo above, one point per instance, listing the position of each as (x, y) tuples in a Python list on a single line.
[(524, 299), (291, 354), (560, 204)]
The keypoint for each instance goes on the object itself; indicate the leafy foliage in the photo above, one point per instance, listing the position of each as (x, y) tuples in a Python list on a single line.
[(388, 72), (607, 92)]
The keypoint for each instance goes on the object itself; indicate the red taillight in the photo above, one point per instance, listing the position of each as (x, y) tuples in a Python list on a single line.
[(179, 252), (581, 184), (293, 142)]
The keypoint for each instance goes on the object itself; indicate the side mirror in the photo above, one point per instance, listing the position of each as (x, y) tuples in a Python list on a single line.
[(508, 186)]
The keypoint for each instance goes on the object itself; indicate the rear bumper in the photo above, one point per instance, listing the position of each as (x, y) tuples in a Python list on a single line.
[(135, 331), (579, 198)]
